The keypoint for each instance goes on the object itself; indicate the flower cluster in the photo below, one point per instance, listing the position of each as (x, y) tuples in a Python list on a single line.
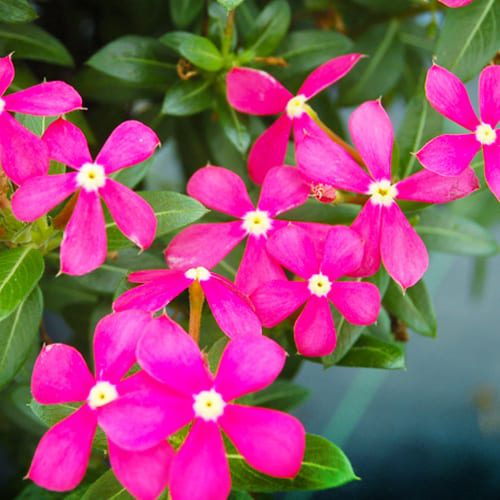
[(153, 395)]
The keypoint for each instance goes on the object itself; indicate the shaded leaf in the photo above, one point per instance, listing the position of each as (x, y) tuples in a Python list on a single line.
[(187, 98), (16, 11)]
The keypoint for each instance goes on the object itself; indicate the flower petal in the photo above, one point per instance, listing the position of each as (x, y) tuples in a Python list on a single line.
[(373, 136), (63, 453), (257, 266), (368, 225), (152, 275), (269, 149), (7, 73), (358, 302), (294, 249), (84, 244), (220, 189), (271, 441), (44, 99), (67, 144), (327, 74), (455, 3), (22, 153), (232, 310), (153, 295), (39, 195), (427, 187), (283, 189), (276, 300), (248, 364), (321, 160), (60, 375), (256, 92), (129, 144), (200, 470), (492, 167), (133, 215), (449, 154), (143, 473), (115, 341), (448, 96), (203, 244), (314, 329), (403, 252), (489, 95), (172, 357), (343, 252)]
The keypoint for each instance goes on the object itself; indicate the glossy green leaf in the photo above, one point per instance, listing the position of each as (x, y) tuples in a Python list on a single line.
[(414, 308), (173, 211), (232, 125), (230, 4), (282, 395), (18, 332), (470, 38), (29, 41), (135, 59), (16, 11), (107, 486), (184, 12), (324, 466), (20, 271), (187, 98)]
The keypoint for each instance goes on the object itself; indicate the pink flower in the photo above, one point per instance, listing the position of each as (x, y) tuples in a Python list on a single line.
[(258, 93), (231, 309), (314, 329), (22, 153), (61, 376), (387, 234), (455, 3), (207, 244), (270, 441), (84, 244), (451, 154)]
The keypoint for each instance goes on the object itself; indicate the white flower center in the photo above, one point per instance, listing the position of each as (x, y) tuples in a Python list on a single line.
[(383, 192), (2, 105), (486, 134), (296, 106), (198, 274), (208, 405), (91, 177), (101, 394), (319, 285), (257, 222)]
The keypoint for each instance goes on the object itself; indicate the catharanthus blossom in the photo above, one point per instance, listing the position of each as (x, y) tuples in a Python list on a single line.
[(231, 309), (451, 154), (455, 3), (61, 376), (258, 93), (84, 244), (387, 234), (314, 328), (220, 189), (270, 441), (22, 153)]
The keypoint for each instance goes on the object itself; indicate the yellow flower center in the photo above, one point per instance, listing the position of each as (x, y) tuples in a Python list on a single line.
[(91, 177), (101, 394), (208, 405), (382, 192), (319, 285), (257, 222), (486, 134), (296, 106), (198, 274)]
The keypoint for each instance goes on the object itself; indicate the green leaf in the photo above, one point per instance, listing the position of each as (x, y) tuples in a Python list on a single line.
[(187, 98), (269, 28), (371, 352), (135, 59), (18, 332), (32, 42), (414, 308), (282, 395), (133, 176), (107, 486), (385, 6), (196, 49), (230, 4), (173, 211), (16, 11), (446, 232), (324, 466), (184, 12), (378, 73), (20, 271), (470, 38), (231, 124)]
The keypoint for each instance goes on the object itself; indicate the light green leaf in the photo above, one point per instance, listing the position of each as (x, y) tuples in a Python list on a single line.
[(16, 11), (18, 332), (230, 4), (173, 211), (106, 487), (187, 98), (20, 271)]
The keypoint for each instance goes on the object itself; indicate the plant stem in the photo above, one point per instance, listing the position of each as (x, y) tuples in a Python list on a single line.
[(196, 299), (228, 34)]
